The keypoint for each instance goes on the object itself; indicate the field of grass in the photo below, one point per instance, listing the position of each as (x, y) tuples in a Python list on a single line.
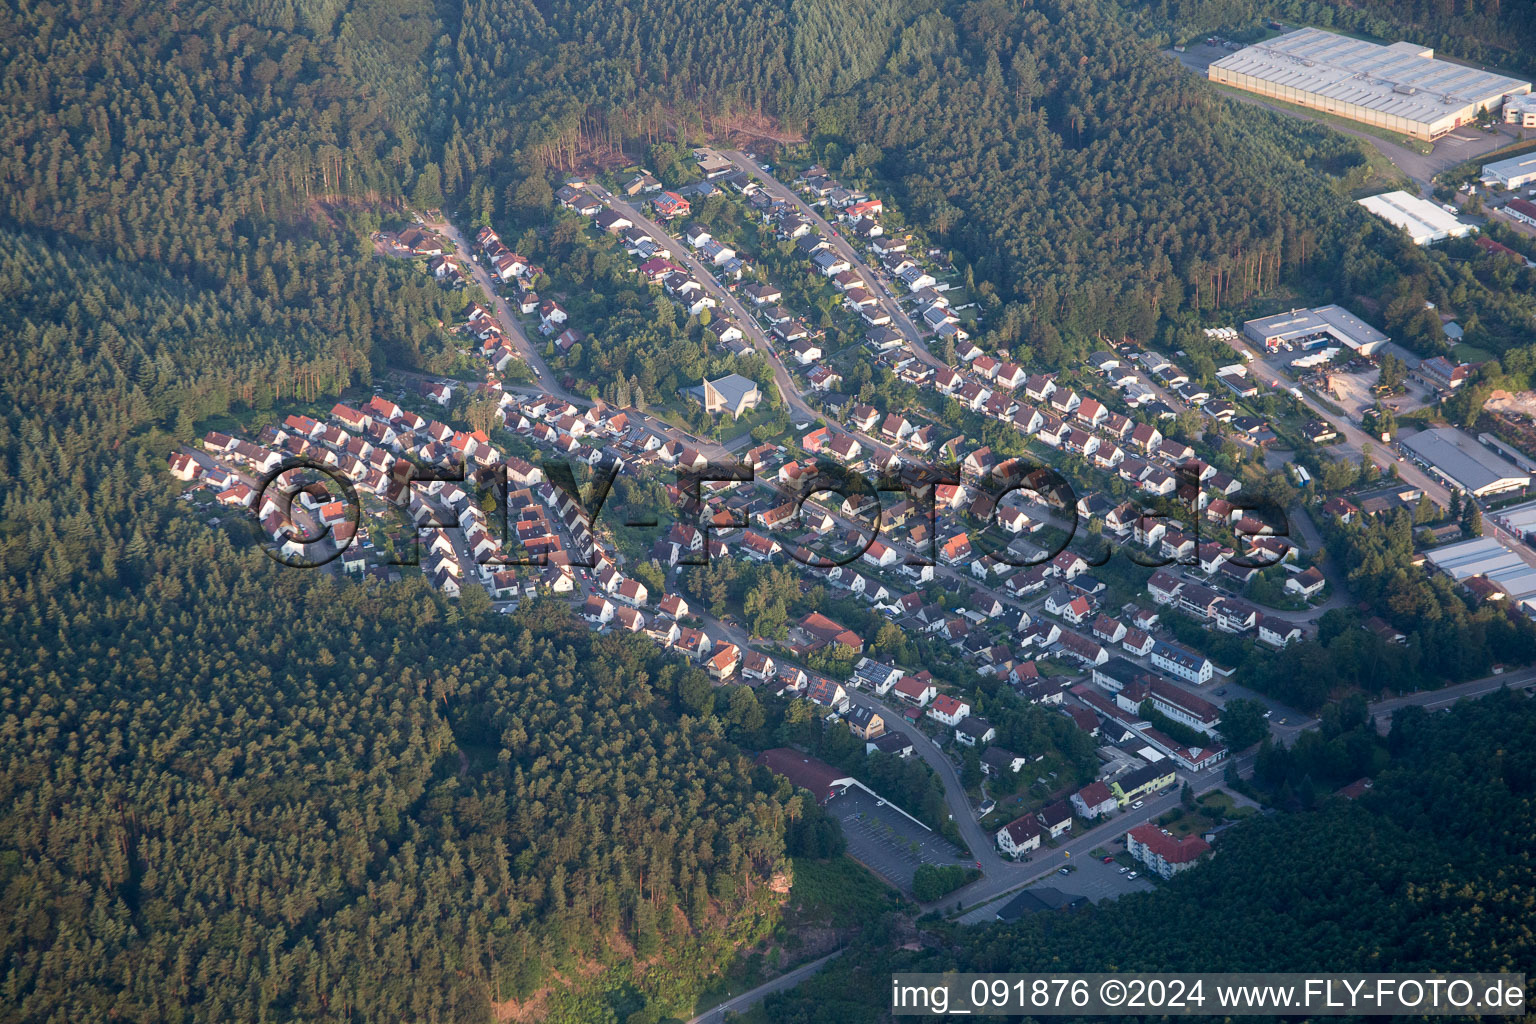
[(1462, 352), (838, 892), (1407, 142)]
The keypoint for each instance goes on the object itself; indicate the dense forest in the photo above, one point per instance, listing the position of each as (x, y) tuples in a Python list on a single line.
[(1500, 33), (1410, 877)]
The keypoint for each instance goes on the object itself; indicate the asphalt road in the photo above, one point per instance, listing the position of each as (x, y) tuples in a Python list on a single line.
[(1356, 440), (705, 275), (509, 321), (750, 998), (1450, 150), (881, 286), (1442, 699), (1000, 875)]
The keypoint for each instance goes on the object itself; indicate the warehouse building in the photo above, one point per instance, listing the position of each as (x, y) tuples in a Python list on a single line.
[(1520, 520), (1423, 220), (1485, 558), (1458, 459), (1511, 173), (1521, 210), (1314, 328), (1401, 87)]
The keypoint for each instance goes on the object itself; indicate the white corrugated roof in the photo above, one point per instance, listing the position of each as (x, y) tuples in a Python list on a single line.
[(1402, 80), (1422, 219)]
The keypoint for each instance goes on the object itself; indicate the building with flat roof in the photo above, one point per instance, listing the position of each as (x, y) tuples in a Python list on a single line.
[(1514, 172), (1521, 110), (1457, 458), (1519, 520), (1313, 328), (1423, 220), (711, 163), (1484, 558), (1402, 87)]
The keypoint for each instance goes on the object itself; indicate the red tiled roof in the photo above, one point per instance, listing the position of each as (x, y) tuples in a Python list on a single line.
[(1174, 851)]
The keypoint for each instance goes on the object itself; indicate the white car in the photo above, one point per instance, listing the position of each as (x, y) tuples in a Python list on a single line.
[(1131, 875)]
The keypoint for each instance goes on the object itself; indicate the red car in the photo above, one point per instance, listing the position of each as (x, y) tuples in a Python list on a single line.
[(1107, 860)]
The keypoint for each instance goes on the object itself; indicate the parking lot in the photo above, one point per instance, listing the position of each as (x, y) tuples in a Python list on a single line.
[(886, 841), (1090, 877)]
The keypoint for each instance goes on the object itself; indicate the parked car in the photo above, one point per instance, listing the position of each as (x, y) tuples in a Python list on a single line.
[(1133, 874), (1107, 859)]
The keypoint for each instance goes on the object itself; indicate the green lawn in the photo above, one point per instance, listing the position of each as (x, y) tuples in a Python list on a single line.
[(1406, 141), (838, 892), (1462, 352)]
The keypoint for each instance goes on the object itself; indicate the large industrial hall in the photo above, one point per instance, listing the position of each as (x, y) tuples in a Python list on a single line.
[(1402, 87)]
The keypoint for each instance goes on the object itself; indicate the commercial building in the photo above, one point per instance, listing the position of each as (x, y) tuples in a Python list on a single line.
[(1141, 782), (1401, 87), (1039, 899), (1458, 459), (1521, 210), (1442, 374), (1485, 558), (1521, 110), (1313, 328), (1423, 220), (1514, 172), (817, 777), (1519, 520)]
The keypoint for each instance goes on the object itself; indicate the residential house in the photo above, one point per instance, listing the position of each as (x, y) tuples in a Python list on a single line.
[(1056, 818), (1161, 852), (973, 731), (1019, 836), (949, 710), (1093, 800)]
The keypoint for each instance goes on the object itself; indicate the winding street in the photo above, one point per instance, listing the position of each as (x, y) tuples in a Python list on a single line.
[(509, 321), (702, 273), (881, 286), (1000, 876)]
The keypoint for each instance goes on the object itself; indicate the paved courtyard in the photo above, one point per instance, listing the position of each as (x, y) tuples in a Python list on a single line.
[(1091, 877)]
